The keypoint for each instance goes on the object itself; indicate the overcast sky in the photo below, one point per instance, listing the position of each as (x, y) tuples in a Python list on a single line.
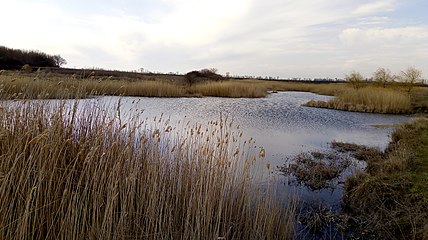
[(285, 38)]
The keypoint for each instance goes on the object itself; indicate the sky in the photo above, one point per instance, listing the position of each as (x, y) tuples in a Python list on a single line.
[(277, 38)]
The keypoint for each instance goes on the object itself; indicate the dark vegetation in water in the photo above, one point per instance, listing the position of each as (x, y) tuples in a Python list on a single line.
[(316, 170)]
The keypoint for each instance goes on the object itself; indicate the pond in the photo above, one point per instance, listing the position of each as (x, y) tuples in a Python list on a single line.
[(279, 123)]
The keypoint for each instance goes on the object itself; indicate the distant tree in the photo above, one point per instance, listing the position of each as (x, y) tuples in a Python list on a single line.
[(410, 77), (15, 59), (59, 61), (355, 79), (191, 77), (383, 76)]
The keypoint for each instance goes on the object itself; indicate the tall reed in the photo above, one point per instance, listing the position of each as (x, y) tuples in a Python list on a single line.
[(233, 89), (81, 173), (369, 99)]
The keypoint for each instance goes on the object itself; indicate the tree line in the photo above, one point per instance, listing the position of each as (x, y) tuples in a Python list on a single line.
[(15, 59), (409, 78)]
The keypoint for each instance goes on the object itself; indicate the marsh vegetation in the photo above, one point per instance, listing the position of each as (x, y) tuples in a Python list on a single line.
[(84, 174), (66, 172), (383, 94), (389, 200)]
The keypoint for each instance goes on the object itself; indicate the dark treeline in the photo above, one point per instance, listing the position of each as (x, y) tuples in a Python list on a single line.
[(11, 59)]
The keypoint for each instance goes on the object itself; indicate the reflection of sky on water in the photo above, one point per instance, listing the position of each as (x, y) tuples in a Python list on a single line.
[(279, 123)]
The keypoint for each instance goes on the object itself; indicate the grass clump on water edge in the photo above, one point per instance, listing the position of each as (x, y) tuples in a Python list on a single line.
[(69, 173), (369, 99), (390, 199)]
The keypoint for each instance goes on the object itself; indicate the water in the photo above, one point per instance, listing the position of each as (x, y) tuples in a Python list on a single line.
[(278, 122)]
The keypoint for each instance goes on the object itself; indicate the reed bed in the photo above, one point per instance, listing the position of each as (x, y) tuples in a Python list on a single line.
[(33, 86), (234, 89), (369, 99), (25, 87), (84, 173)]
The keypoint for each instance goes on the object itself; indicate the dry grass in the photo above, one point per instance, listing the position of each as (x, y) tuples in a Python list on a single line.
[(233, 89), (28, 87), (31, 86), (369, 99), (390, 199), (25, 87), (84, 174)]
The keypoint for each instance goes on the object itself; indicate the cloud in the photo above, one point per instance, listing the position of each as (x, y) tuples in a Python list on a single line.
[(249, 37), (376, 20), (375, 7), (397, 36)]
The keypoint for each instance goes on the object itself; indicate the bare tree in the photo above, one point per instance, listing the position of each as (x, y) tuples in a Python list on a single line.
[(59, 61), (383, 76), (355, 79), (410, 77)]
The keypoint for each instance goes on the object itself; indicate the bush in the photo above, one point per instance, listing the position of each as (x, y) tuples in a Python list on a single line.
[(204, 74), (355, 79), (26, 68)]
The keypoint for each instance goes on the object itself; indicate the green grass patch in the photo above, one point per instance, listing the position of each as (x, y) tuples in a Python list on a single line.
[(419, 168)]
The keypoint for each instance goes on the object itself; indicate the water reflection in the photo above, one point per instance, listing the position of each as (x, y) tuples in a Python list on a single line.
[(278, 122)]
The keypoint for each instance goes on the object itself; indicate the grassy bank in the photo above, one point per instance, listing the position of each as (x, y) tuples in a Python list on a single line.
[(85, 174), (390, 199)]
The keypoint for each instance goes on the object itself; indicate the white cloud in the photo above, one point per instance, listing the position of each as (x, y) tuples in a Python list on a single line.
[(403, 35), (376, 20), (375, 7)]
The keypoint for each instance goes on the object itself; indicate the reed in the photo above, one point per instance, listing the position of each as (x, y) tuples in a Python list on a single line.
[(234, 89), (369, 99), (85, 173)]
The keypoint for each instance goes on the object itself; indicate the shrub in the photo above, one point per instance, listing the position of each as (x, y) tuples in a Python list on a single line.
[(204, 74), (355, 79), (26, 68), (410, 77)]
